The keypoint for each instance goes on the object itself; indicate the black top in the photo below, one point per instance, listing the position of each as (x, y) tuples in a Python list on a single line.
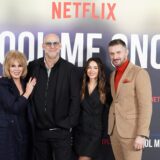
[(63, 102), (92, 113), (89, 132), (44, 96)]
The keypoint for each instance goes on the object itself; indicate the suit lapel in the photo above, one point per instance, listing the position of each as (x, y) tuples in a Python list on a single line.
[(112, 84), (13, 88), (123, 77)]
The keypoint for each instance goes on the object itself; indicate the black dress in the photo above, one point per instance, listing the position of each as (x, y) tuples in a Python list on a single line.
[(89, 132)]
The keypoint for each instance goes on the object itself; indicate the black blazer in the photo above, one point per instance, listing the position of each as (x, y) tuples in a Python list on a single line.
[(12, 105), (67, 107)]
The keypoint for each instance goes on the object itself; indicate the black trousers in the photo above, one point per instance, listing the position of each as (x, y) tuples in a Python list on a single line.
[(53, 145)]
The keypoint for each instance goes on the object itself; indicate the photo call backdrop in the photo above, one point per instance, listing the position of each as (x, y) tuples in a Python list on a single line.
[(85, 28)]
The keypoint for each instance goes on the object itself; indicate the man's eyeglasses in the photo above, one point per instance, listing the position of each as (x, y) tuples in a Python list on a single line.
[(54, 44)]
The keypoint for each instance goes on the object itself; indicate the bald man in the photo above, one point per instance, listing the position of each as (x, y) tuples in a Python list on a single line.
[(55, 102)]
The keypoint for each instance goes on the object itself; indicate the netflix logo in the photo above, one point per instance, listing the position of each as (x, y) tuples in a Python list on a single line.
[(67, 10)]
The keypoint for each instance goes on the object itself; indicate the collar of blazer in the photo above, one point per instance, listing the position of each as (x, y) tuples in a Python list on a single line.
[(114, 93)]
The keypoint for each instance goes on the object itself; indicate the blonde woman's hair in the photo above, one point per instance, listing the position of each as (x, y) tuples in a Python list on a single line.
[(12, 56)]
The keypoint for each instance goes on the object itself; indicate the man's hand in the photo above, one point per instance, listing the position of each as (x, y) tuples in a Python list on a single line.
[(139, 143)]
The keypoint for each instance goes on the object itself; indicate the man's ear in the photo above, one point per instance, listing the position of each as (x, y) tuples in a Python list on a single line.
[(127, 51), (60, 45)]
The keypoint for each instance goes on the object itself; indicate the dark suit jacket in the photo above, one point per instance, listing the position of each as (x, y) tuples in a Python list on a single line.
[(12, 105), (66, 110)]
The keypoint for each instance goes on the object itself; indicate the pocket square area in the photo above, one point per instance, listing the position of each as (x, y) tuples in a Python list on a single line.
[(126, 81)]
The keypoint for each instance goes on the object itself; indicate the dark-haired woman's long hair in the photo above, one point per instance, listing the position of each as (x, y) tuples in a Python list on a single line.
[(101, 80)]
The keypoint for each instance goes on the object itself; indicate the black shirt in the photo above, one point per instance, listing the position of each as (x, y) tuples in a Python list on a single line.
[(44, 96)]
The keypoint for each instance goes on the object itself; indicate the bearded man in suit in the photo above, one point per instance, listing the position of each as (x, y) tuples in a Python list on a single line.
[(131, 109)]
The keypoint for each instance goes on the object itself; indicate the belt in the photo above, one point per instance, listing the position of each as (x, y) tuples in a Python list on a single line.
[(54, 129)]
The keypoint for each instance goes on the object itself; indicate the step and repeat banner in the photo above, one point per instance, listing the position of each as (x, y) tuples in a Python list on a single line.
[(85, 28)]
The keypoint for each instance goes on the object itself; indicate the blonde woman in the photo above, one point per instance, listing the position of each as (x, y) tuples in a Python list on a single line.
[(14, 94)]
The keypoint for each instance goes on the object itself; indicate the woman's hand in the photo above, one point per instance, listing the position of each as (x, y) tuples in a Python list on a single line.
[(29, 87)]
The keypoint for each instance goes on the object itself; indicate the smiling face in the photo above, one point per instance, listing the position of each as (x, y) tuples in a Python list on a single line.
[(92, 70), (118, 54), (15, 70), (51, 46)]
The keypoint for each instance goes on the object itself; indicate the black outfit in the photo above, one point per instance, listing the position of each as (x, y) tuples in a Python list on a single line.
[(46, 88), (89, 132), (14, 123), (55, 102)]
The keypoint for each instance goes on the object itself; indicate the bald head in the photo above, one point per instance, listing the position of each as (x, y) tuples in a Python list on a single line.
[(53, 36), (51, 46)]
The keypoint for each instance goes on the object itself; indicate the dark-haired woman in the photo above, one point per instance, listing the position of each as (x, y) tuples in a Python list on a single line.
[(93, 100)]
